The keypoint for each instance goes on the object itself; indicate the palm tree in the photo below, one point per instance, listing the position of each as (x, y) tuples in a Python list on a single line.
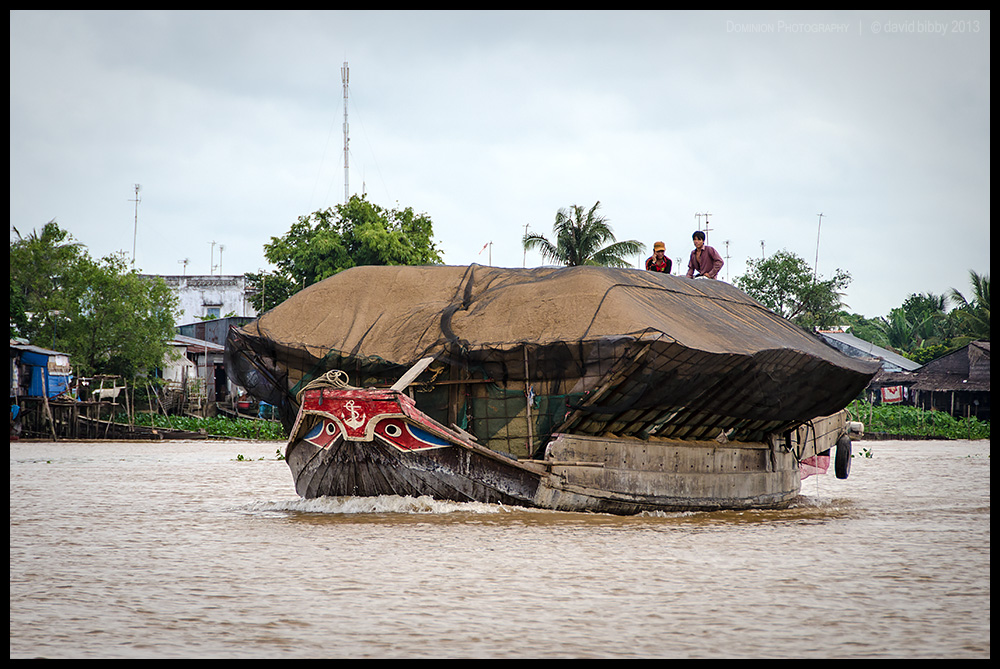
[(897, 330), (927, 313), (582, 238), (975, 315)]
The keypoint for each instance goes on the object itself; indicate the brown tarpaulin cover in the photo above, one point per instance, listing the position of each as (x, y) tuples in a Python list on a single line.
[(698, 338)]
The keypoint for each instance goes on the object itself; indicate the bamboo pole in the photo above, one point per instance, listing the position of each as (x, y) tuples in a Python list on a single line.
[(527, 399), (45, 402)]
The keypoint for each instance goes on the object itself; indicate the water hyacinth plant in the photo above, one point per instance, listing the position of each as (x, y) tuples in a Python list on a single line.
[(897, 419)]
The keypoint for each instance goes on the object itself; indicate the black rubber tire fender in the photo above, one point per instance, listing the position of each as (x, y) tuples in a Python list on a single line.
[(842, 462)]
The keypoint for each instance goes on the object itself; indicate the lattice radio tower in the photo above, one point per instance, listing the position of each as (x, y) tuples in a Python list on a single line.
[(135, 228), (344, 76)]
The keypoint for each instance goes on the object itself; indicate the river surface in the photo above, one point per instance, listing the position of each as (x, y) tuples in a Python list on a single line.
[(202, 549)]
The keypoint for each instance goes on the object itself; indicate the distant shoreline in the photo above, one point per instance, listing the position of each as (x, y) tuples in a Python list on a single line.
[(887, 436)]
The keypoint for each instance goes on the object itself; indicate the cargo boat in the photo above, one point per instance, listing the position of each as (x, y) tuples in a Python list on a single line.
[(575, 389)]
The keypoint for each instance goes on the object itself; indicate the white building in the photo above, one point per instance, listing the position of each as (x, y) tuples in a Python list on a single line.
[(201, 297)]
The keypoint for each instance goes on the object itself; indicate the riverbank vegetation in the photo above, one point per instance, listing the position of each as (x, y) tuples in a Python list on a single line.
[(108, 317), (227, 428), (922, 328), (908, 421)]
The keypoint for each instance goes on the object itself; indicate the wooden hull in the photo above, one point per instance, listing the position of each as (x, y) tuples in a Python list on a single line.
[(369, 469), (393, 449)]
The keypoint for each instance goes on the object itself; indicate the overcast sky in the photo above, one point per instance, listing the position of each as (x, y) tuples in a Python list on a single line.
[(488, 122)]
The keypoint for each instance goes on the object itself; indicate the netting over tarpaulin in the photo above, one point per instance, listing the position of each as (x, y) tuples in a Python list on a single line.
[(522, 353)]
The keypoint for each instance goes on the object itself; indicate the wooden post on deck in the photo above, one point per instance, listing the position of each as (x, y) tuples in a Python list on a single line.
[(527, 401)]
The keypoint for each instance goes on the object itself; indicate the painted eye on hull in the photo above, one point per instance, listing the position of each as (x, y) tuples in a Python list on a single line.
[(408, 437), (323, 434)]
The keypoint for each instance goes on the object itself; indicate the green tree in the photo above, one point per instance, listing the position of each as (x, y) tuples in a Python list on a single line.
[(920, 329), (928, 313), (785, 284), (974, 314), (110, 320), (119, 322), (583, 238), (40, 265), (925, 354), (897, 330), (868, 329), (348, 235), (923, 328), (269, 289)]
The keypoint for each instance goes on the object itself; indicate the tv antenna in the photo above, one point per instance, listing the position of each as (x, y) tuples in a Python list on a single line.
[(698, 217), (816, 264), (344, 77), (135, 229)]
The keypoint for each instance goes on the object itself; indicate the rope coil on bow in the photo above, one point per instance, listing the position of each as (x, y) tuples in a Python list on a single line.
[(335, 378)]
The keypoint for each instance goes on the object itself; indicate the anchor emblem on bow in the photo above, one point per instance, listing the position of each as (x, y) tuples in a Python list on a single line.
[(357, 418)]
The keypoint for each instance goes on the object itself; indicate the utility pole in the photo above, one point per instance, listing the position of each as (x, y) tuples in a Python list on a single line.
[(524, 259), (344, 77), (816, 264), (135, 229)]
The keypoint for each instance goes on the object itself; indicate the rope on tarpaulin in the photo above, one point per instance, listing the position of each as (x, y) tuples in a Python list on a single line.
[(334, 378)]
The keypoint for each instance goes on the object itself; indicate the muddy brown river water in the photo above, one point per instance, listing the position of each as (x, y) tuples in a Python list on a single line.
[(202, 549)]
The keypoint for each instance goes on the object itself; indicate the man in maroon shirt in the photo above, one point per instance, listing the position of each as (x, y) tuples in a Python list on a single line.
[(705, 260)]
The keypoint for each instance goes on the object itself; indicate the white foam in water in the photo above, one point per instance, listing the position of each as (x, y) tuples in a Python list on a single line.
[(383, 504)]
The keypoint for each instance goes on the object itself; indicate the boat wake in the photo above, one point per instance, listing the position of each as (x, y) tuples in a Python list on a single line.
[(801, 510), (383, 504)]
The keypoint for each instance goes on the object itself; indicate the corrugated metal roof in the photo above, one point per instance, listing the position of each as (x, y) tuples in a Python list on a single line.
[(868, 349), (191, 342), (15, 344)]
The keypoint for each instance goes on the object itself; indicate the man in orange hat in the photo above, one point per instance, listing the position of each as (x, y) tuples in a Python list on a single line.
[(659, 262)]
